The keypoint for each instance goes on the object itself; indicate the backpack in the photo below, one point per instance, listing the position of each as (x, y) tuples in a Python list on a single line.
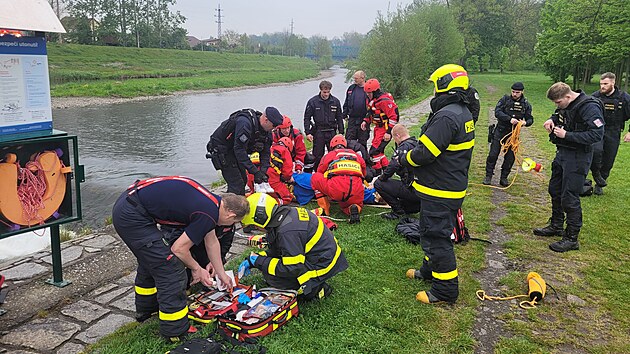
[(410, 228), (460, 231)]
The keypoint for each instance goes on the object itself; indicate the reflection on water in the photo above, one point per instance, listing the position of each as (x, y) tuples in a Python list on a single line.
[(165, 136)]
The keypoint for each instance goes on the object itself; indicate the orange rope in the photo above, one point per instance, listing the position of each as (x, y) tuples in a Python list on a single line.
[(31, 189)]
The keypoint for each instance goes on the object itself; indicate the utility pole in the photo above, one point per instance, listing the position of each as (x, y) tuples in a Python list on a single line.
[(218, 21), (291, 40)]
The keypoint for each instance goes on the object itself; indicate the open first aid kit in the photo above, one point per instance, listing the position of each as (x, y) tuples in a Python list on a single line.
[(206, 305), (267, 310)]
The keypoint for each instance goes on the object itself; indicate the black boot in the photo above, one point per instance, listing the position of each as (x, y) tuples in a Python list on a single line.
[(599, 180), (504, 182), (552, 229), (569, 242), (488, 180), (598, 190), (393, 215)]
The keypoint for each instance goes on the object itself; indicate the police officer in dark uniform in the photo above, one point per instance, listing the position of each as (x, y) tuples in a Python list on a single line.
[(302, 253), (616, 113), (399, 194), (441, 161), (323, 119), (509, 111), (355, 109), (161, 280), (245, 132), (575, 126)]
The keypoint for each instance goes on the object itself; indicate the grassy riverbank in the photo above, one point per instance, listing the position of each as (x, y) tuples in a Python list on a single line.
[(96, 71), (373, 309)]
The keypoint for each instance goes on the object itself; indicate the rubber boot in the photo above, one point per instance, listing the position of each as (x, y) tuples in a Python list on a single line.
[(553, 228), (354, 214), (417, 274), (569, 242), (324, 203), (426, 297)]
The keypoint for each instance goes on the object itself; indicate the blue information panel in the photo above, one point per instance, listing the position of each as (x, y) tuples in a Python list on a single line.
[(25, 96)]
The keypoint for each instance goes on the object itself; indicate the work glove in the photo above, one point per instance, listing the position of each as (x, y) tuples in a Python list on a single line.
[(244, 269), (260, 177)]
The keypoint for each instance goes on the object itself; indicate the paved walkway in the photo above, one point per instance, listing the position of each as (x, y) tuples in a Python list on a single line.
[(42, 318)]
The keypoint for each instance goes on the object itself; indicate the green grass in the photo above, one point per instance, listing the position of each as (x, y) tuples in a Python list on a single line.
[(373, 309), (81, 70)]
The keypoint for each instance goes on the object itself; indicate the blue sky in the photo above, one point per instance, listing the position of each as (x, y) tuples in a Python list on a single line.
[(324, 17)]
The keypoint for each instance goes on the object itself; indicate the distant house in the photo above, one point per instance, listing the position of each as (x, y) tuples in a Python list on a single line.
[(193, 42)]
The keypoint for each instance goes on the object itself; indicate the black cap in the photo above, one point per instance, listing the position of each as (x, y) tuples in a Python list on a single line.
[(274, 116), (518, 86)]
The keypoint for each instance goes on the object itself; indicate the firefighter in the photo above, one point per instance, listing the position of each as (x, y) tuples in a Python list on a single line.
[(339, 177), (245, 132), (440, 163), (302, 253), (383, 112), (360, 149), (163, 257), (575, 126), (281, 170), (399, 194), (510, 110), (322, 120), (286, 129), (616, 113), (355, 110)]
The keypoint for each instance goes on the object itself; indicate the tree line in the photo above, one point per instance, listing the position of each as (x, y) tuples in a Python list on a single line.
[(566, 38)]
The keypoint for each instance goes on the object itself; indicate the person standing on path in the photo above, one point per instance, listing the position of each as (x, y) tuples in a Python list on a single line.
[(616, 113), (355, 109), (323, 119), (575, 126)]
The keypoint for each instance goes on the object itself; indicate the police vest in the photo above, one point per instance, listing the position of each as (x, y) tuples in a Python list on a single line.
[(516, 109), (345, 164), (568, 119), (224, 135), (613, 109)]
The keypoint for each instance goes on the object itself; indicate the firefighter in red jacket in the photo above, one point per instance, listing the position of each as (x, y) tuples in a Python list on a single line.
[(339, 177), (383, 112), (286, 129), (280, 171)]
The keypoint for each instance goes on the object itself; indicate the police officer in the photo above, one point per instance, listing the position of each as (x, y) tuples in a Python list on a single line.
[(302, 253), (399, 194), (323, 119), (509, 111), (441, 161), (575, 126), (245, 132), (355, 109), (163, 257), (616, 113)]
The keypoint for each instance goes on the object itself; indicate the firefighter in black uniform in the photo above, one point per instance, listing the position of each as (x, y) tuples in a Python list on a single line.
[(441, 161), (575, 126), (399, 194), (161, 280), (245, 132), (616, 113), (323, 119), (355, 109), (302, 253), (509, 111)]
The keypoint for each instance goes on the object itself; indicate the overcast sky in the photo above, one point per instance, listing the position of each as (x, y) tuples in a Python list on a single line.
[(325, 17)]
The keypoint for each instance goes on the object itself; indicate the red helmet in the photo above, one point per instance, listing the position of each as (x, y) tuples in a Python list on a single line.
[(338, 140), (371, 85), (286, 123), (287, 142)]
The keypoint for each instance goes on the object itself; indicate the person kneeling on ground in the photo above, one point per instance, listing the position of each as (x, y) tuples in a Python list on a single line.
[(302, 253), (340, 177), (161, 281), (399, 194), (281, 170)]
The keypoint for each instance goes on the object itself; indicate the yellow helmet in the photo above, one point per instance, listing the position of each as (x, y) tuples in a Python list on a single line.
[(449, 76), (261, 206)]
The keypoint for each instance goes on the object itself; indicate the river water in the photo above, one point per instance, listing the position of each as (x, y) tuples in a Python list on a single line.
[(120, 143)]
